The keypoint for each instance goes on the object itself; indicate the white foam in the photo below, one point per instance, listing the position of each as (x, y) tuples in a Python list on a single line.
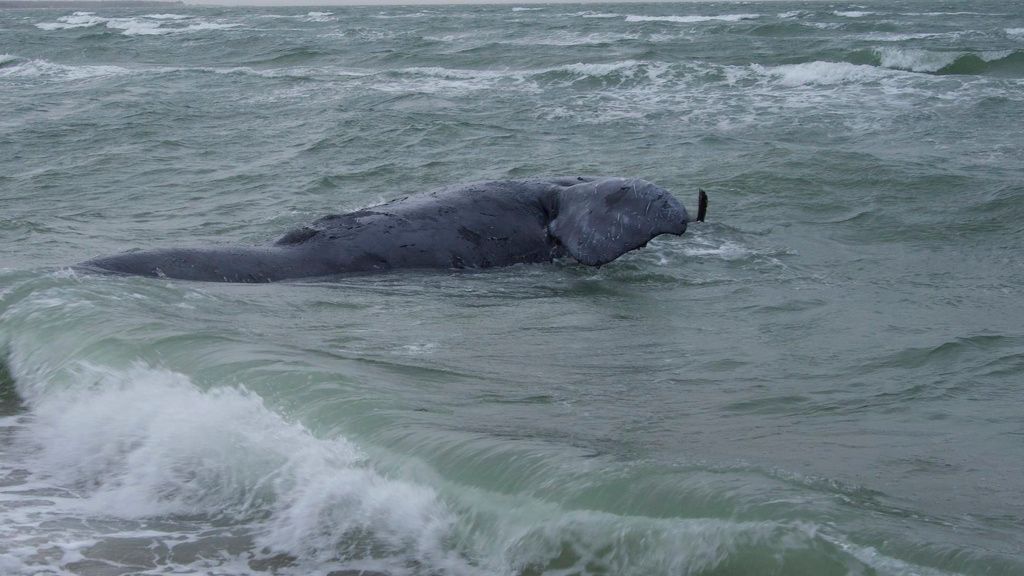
[(205, 26), (693, 19), (75, 20), (819, 73), (151, 24), (1015, 31), (946, 14), (524, 9), (597, 14), (47, 69), (436, 79), (144, 442), (564, 38), (728, 250), (421, 14), (137, 27), (852, 13), (5, 58), (824, 25), (420, 348), (319, 17), (167, 16), (900, 37), (915, 60)]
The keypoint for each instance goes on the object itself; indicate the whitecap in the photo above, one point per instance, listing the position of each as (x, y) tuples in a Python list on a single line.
[(152, 24), (915, 60), (44, 68), (596, 14), (898, 37), (137, 443), (819, 72), (728, 250), (852, 13), (319, 17), (167, 16), (206, 26), (569, 39), (692, 19), (75, 20), (946, 14)]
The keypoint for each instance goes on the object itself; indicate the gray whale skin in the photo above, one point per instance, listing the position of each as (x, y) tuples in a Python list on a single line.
[(477, 225)]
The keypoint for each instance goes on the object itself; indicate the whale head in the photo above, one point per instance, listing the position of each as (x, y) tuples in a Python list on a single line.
[(599, 220)]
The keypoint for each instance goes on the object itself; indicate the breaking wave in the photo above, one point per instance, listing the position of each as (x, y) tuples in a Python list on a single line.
[(144, 442), (239, 488), (150, 24), (693, 19), (819, 72), (997, 62), (14, 67)]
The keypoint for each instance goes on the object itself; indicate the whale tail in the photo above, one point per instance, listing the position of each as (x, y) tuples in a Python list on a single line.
[(702, 205)]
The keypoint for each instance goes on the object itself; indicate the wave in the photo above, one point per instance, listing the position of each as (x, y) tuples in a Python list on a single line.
[(144, 442), (693, 19), (1015, 32), (420, 14), (852, 13), (914, 60), (216, 481), (902, 37), (433, 79), (793, 14), (589, 14), (573, 39), (1005, 62), (167, 16), (946, 14), (19, 68), (819, 73), (319, 17), (151, 24)]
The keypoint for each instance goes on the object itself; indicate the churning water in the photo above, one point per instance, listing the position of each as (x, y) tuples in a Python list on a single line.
[(825, 378)]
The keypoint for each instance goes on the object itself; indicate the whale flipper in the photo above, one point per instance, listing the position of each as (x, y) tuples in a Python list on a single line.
[(599, 221)]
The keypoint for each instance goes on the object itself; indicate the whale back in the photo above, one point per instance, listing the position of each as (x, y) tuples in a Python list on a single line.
[(600, 220)]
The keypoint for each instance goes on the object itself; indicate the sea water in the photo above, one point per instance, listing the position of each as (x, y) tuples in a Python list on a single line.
[(824, 378)]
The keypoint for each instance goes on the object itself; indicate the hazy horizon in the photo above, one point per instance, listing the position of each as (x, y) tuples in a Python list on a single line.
[(409, 2)]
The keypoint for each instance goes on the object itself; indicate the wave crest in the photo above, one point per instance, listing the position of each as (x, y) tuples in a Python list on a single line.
[(149, 24), (144, 442), (693, 19)]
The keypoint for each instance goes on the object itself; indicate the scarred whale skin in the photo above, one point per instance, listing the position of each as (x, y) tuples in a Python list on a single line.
[(477, 225)]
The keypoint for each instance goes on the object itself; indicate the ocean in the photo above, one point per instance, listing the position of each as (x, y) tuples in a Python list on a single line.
[(825, 378)]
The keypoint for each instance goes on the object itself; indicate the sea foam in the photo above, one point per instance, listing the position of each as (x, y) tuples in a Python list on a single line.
[(149, 24), (819, 72), (37, 68), (146, 442), (692, 19)]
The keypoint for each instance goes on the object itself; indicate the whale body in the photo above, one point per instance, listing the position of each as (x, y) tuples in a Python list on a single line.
[(476, 225)]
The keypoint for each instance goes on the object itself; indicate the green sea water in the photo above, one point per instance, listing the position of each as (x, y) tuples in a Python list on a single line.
[(826, 378)]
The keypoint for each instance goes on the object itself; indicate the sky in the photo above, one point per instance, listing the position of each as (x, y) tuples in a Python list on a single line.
[(419, 2)]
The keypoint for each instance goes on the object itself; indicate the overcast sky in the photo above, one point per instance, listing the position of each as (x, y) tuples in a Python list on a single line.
[(393, 2)]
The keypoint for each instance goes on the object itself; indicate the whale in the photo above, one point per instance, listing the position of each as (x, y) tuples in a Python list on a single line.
[(476, 225)]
